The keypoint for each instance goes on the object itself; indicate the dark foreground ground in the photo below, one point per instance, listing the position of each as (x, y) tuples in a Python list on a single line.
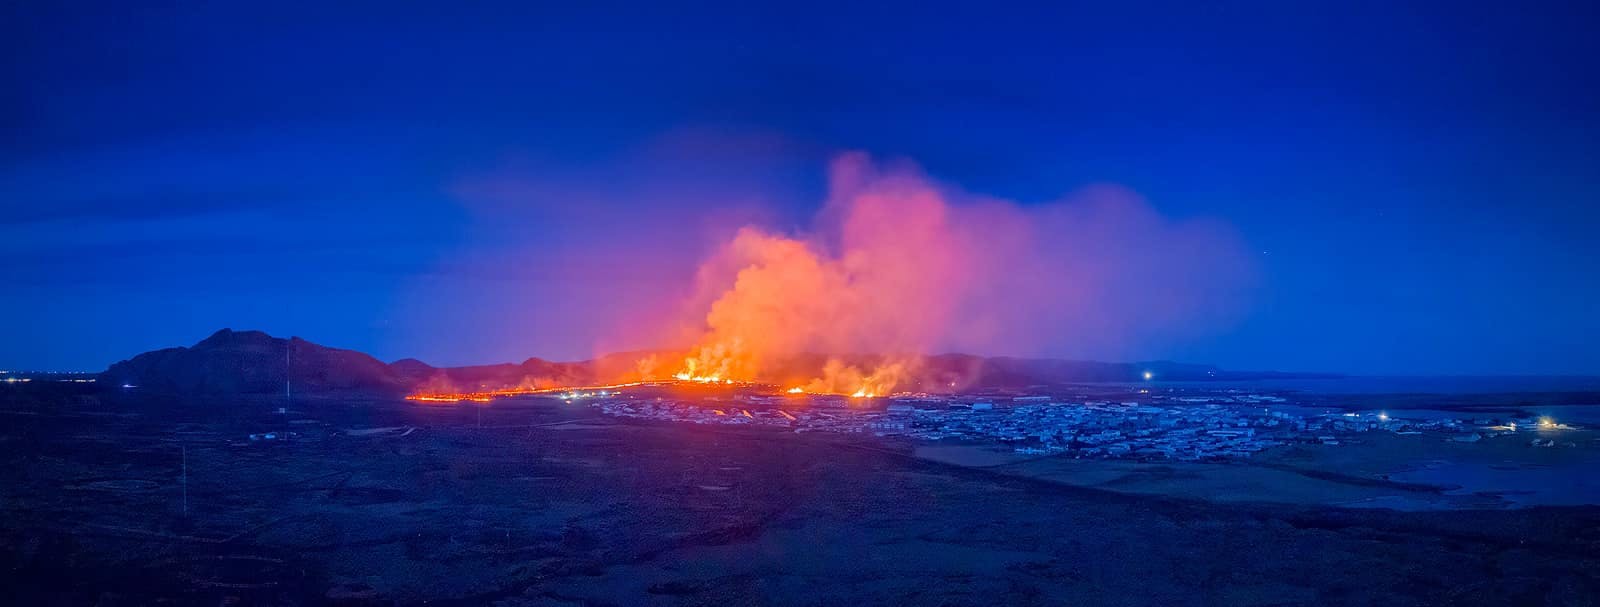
[(542, 503)]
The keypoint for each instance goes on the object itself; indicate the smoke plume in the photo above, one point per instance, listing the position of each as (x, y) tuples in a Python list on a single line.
[(897, 265)]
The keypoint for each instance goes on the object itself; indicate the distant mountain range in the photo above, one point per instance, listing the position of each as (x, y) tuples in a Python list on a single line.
[(253, 362)]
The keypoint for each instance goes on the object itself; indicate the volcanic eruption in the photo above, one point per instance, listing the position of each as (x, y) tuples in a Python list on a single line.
[(896, 265)]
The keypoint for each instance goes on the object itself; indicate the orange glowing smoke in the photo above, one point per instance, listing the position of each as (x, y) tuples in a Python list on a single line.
[(898, 266), (884, 275)]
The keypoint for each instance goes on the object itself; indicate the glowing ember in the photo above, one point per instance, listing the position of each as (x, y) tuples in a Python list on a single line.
[(701, 379), (450, 398)]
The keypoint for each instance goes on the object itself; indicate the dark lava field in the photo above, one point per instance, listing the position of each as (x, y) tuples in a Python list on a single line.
[(539, 502)]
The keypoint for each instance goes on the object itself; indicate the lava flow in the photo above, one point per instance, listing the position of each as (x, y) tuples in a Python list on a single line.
[(489, 395)]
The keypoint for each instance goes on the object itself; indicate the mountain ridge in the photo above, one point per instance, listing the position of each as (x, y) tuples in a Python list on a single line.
[(254, 362)]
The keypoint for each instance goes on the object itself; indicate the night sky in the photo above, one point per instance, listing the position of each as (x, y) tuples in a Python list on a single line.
[(1419, 187)]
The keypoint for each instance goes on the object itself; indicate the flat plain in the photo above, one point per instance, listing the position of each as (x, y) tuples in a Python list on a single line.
[(538, 502)]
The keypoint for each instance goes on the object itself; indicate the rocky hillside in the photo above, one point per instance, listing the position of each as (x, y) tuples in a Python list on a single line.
[(252, 362)]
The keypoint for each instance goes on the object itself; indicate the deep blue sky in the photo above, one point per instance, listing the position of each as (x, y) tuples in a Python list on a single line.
[(1421, 184)]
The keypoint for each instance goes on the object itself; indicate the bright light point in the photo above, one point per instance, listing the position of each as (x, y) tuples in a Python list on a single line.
[(1383, 417), (1546, 422), (796, 390), (1148, 375)]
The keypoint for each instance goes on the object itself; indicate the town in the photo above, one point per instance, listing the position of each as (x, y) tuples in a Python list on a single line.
[(1183, 428)]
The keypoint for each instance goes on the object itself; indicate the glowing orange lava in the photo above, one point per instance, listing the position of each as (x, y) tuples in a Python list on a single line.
[(484, 396), (489, 395)]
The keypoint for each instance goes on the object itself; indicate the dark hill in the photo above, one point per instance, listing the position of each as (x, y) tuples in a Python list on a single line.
[(252, 362)]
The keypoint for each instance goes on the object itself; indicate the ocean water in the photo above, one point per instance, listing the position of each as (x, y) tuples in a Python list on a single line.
[(1436, 384), (1568, 484)]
